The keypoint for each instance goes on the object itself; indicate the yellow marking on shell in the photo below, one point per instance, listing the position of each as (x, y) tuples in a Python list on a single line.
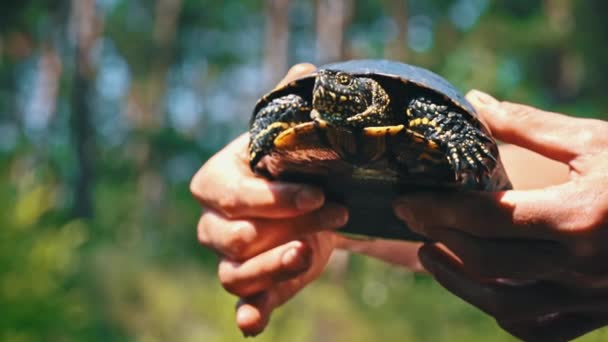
[(343, 98), (333, 95), (415, 122), (408, 112), (382, 131), (425, 121)]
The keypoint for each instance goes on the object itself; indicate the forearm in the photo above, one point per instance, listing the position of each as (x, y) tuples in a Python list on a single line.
[(395, 252)]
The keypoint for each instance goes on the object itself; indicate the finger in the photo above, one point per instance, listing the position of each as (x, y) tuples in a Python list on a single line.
[(504, 302), (548, 214), (514, 258), (558, 327), (241, 239), (556, 136), (254, 312), (226, 184), (265, 270), (295, 72)]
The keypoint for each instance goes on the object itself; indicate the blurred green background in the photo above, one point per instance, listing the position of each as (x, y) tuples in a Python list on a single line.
[(107, 107)]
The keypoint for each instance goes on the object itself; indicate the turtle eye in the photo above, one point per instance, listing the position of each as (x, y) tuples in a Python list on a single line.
[(343, 79)]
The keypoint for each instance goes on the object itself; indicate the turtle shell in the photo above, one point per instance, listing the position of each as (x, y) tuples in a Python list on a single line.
[(375, 68), (365, 178)]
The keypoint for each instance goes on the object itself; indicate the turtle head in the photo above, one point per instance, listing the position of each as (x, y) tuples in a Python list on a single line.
[(338, 96)]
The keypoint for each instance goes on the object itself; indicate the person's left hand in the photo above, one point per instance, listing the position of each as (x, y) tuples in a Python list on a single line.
[(532, 259)]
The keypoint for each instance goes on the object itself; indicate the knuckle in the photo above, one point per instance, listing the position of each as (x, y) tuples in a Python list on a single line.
[(522, 112), (591, 218), (226, 275), (201, 230), (237, 239), (587, 137), (197, 185), (230, 203), (593, 133)]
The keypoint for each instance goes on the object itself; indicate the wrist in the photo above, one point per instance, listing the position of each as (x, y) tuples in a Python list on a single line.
[(400, 253)]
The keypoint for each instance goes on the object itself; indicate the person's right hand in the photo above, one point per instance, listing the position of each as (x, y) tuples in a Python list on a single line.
[(273, 237), (533, 259)]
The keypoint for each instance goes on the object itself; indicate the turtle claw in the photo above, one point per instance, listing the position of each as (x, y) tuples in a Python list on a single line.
[(472, 158)]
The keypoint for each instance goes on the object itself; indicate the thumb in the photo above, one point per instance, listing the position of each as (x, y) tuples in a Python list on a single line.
[(556, 136), (296, 71)]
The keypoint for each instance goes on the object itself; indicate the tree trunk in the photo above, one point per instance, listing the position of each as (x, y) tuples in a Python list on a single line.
[(396, 48), (276, 41), (332, 20), (84, 29)]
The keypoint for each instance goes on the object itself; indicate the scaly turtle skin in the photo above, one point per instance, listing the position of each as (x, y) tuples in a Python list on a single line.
[(370, 130)]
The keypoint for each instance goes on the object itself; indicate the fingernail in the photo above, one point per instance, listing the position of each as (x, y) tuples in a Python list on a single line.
[(309, 199), (480, 98), (334, 215), (296, 259)]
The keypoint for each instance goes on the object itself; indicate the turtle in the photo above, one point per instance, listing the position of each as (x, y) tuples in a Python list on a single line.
[(367, 131)]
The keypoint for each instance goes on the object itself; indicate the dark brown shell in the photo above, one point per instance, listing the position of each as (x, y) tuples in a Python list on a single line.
[(379, 69)]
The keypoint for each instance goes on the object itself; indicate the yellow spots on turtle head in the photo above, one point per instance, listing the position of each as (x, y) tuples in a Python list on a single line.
[(333, 95)]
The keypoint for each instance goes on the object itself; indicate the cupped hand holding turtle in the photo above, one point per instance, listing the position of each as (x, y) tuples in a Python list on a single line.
[(272, 237), (549, 243)]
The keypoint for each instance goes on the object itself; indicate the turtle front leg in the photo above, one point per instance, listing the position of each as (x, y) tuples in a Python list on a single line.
[(468, 149), (277, 116)]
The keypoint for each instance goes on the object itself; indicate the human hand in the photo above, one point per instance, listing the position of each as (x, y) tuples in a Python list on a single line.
[(552, 241), (273, 237)]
